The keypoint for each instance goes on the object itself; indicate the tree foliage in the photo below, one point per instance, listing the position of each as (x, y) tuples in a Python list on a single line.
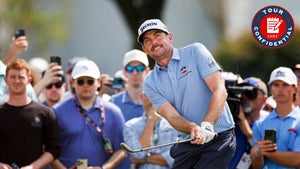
[(135, 12), (255, 60), (44, 22)]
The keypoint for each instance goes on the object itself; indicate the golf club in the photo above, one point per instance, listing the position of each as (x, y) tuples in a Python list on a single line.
[(127, 148)]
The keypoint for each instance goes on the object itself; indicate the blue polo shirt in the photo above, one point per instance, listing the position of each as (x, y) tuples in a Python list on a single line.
[(80, 140), (287, 133), (182, 84), (129, 109)]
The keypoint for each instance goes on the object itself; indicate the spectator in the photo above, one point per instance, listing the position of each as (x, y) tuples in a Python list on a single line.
[(135, 70), (252, 104), (53, 91), (186, 88), (16, 47), (53, 74), (285, 119), (90, 127), (296, 70), (149, 130), (26, 127), (105, 91), (121, 86), (70, 65)]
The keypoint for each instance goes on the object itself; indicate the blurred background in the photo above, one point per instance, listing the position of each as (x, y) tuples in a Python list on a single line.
[(103, 30)]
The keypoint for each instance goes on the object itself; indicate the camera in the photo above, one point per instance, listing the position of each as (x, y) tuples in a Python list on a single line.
[(235, 92), (118, 83)]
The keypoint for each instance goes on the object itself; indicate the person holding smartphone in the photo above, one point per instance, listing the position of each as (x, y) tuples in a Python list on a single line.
[(283, 123), (18, 44)]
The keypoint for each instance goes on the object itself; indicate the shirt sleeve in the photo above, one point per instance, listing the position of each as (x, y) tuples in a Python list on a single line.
[(52, 141), (156, 99)]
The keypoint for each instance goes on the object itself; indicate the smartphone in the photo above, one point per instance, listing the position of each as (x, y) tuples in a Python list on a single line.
[(270, 135), (118, 83), (82, 163), (19, 32), (55, 59)]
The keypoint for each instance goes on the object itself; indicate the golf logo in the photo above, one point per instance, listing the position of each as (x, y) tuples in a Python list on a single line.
[(272, 27)]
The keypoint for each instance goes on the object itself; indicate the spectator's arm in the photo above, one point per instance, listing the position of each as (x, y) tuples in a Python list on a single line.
[(50, 76), (45, 159), (16, 47)]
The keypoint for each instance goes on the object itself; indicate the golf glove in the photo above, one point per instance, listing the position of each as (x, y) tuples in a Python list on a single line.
[(207, 132)]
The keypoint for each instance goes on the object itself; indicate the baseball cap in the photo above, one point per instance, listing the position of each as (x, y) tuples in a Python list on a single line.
[(149, 25), (73, 61), (285, 74), (86, 68), (256, 82), (135, 55)]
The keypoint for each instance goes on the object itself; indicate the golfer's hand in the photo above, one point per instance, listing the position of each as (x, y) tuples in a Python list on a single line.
[(208, 132), (203, 134)]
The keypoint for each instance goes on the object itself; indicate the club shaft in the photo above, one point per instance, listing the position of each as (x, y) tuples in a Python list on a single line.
[(166, 144), (157, 146)]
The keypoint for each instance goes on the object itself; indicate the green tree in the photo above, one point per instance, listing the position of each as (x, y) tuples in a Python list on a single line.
[(137, 11), (254, 59), (44, 22)]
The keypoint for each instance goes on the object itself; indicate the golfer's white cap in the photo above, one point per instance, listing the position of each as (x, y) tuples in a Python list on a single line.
[(149, 25)]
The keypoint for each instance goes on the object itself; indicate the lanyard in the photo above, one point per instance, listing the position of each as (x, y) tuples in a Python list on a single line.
[(106, 142), (84, 115)]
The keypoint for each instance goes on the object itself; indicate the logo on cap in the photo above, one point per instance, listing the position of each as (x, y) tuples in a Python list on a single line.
[(148, 24), (272, 27), (280, 74)]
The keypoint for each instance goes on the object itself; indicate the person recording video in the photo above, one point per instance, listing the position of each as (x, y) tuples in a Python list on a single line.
[(283, 123), (250, 110)]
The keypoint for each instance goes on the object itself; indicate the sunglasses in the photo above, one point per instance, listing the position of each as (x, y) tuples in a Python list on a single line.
[(57, 85), (81, 82), (139, 68)]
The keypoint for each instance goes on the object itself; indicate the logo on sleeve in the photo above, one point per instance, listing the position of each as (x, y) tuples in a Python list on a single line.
[(272, 27)]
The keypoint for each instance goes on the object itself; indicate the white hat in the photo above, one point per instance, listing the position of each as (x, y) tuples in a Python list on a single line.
[(135, 55), (285, 74), (38, 64), (149, 25), (86, 68)]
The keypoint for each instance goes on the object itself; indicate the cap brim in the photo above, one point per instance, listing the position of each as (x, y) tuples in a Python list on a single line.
[(84, 75), (286, 81)]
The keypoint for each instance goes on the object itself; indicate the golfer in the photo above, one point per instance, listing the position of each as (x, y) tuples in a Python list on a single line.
[(186, 88)]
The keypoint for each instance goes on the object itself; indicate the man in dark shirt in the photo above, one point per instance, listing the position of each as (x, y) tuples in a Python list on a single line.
[(29, 135)]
